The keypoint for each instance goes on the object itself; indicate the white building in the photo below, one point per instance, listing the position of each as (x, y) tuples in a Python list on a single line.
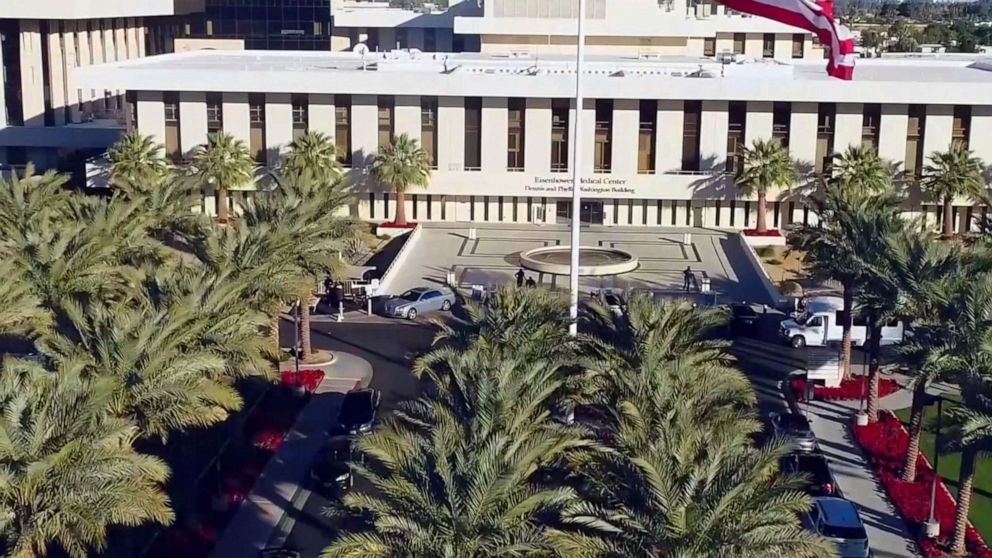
[(48, 118)]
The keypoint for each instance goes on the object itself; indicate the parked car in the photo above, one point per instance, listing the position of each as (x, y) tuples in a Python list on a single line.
[(330, 470), (743, 317), (358, 411), (837, 520), (794, 428), (612, 300), (417, 301), (816, 468)]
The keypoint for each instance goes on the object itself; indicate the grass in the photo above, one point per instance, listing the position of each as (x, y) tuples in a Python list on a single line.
[(950, 465)]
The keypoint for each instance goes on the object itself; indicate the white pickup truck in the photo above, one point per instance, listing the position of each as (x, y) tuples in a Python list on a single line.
[(818, 325)]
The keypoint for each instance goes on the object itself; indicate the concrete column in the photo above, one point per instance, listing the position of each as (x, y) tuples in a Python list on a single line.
[(668, 154), (937, 132), (850, 123), (892, 133), (97, 57), (3, 110), (321, 117), (109, 52), (278, 126), (364, 130), (120, 35), (451, 134), (724, 42), (653, 214), (495, 119), (522, 215), (713, 136), (753, 45), (537, 136), (237, 118), (406, 112), (758, 122), (131, 38), (626, 130), (141, 31), (783, 47), (56, 74), (192, 120), (637, 217), (980, 139), (151, 115), (32, 84), (84, 58), (71, 62), (608, 212), (802, 132)]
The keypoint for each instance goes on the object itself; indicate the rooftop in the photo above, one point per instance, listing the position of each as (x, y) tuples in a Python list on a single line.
[(964, 80)]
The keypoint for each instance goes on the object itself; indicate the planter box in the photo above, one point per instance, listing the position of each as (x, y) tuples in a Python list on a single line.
[(764, 240), (392, 231)]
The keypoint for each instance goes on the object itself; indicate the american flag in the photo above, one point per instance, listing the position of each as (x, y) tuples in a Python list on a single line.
[(815, 17)]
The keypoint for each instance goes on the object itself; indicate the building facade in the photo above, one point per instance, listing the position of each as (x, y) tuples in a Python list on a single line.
[(660, 136), (48, 118)]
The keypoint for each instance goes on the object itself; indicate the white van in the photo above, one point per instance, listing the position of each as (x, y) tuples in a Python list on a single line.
[(818, 325)]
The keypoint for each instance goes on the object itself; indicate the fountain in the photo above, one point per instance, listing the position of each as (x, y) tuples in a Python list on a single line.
[(593, 261)]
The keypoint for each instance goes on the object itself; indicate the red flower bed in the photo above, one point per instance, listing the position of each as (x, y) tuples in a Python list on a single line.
[(851, 389), (885, 442), (769, 232), (392, 225), (307, 379)]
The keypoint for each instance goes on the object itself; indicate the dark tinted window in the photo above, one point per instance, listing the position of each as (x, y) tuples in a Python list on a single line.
[(357, 406), (412, 295), (793, 422), (837, 532)]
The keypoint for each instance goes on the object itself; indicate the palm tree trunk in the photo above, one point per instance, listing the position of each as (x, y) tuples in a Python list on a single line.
[(845, 340), (762, 211), (274, 345), (915, 430), (222, 204), (307, 350), (948, 231), (967, 476), (400, 209), (874, 340)]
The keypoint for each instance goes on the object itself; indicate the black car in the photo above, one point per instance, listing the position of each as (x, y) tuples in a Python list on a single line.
[(330, 470), (816, 468), (795, 429), (358, 411)]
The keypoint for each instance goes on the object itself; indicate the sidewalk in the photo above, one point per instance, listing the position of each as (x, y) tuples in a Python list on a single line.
[(256, 519), (831, 422)]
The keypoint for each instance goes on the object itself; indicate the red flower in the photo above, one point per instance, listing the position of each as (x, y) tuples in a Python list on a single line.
[(769, 232), (307, 379), (850, 389)]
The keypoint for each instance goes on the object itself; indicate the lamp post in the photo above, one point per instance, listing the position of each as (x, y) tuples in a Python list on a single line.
[(573, 272), (933, 526)]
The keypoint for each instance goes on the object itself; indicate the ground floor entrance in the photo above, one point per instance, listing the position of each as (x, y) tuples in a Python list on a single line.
[(590, 212)]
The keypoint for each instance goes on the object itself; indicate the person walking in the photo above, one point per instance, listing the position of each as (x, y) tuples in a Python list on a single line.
[(687, 277), (531, 283), (520, 278)]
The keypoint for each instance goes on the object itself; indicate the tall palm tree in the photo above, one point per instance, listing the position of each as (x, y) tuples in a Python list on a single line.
[(223, 162), (971, 432), (950, 174), (402, 165), (312, 157), (69, 471), (136, 160), (860, 171), (767, 165)]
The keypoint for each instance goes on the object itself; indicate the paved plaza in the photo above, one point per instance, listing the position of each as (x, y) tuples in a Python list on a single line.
[(491, 258)]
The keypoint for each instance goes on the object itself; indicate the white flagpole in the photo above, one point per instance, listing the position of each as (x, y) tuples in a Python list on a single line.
[(577, 139)]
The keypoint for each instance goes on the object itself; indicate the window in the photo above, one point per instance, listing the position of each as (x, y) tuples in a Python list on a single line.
[(428, 128), (473, 133), (10, 48), (215, 113), (690, 135), (603, 156), (646, 137), (516, 118), (781, 118), (737, 117), (870, 120), (768, 45), (709, 46), (342, 128), (385, 121), (739, 43), (962, 125), (301, 115), (914, 140), (559, 135), (798, 45), (172, 142), (256, 138), (826, 114)]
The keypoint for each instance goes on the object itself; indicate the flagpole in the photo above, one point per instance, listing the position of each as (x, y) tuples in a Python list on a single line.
[(573, 272)]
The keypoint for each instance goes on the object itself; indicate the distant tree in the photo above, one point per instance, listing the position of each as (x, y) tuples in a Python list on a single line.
[(402, 165), (136, 160), (224, 161), (937, 33), (872, 40), (767, 165), (954, 173)]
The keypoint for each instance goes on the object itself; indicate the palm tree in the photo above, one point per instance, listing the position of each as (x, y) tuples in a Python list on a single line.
[(971, 432), (312, 157), (402, 165), (69, 471), (767, 165), (950, 174), (136, 160), (860, 171), (224, 161)]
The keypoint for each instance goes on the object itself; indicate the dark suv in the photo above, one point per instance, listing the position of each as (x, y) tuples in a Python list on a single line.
[(820, 480), (358, 411)]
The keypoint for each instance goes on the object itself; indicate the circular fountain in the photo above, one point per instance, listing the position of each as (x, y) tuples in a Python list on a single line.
[(593, 261)]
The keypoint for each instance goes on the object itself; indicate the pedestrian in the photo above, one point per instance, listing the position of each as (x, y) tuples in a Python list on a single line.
[(531, 283), (520, 278), (687, 278)]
